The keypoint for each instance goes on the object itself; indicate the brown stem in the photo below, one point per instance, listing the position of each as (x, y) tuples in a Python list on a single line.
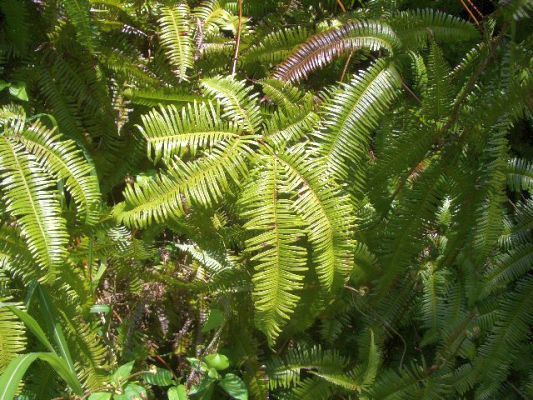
[(341, 5), (346, 66), (469, 12), (238, 40)]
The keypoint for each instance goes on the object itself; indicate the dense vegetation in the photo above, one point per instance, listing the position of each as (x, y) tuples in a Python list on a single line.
[(254, 199)]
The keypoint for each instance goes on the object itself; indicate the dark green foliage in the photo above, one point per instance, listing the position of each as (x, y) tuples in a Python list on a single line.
[(262, 199)]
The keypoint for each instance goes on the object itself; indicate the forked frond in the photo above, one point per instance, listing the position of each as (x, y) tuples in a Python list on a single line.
[(280, 262), (326, 210)]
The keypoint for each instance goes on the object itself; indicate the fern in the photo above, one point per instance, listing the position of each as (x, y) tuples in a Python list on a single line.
[(324, 47), (30, 199), (175, 38)]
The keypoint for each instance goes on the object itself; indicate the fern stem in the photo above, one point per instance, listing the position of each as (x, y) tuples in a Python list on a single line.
[(238, 39)]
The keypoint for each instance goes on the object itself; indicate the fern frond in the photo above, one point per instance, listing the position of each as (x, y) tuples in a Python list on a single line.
[(30, 199), (169, 132), (512, 327), (286, 372), (520, 175), (352, 114), (280, 261), (78, 12), (285, 128), (327, 212), (415, 28), (201, 182), (12, 336), (321, 49), (64, 161), (276, 46), (176, 39), (238, 102), (285, 95)]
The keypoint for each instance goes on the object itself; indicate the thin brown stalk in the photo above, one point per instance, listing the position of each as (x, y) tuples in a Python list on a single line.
[(341, 5), (469, 12), (238, 40), (346, 66)]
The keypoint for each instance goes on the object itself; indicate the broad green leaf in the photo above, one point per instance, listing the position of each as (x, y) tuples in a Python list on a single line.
[(51, 317), (122, 373), (162, 377), (214, 320), (177, 393), (18, 90), (217, 361), (100, 396), (31, 324), (13, 374), (234, 386), (100, 308)]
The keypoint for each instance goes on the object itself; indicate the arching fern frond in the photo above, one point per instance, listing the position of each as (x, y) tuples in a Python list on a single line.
[(285, 128), (520, 175), (416, 27), (276, 46), (352, 114), (64, 161), (321, 49), (12, 336), (202, 182)]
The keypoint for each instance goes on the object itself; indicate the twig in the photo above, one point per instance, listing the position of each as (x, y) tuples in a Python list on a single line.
[(341, 5), (469, 12), (238, 40), (475, 8), (346, 66)]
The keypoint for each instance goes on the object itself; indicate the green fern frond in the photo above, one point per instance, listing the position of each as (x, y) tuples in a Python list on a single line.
[(512, 327), (176, 39), (285, 372), (280, 262), (327, 212), (237, 100), (78, 12), (276, 46), (30, 199), (201, 182), (12, 336), (321, 49), (520, 175), (416, 27), (286, 128), (352, 114), (65, 162), (169, 132), (286, 95)]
